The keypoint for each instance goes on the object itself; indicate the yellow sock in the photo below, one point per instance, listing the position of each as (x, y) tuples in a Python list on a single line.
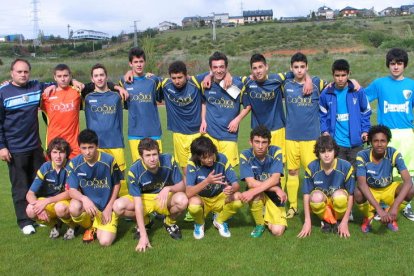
[(229, 210), (340, 204), (292, 187), (403, 205), (365, 209), (68, 221), (169, 221), (283, 183), (83, 220), (256, 208), (197, 212)]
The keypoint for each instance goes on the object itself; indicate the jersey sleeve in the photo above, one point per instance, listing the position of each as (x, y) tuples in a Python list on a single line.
[(230, 173), (245, 168), (176, 174), (73, 179), (277, 163), (350, 180), (134, 187), (38, 181), (116, 174), (371, 91), (199, 78), (360, 165), (191, 174), (308, 185), (399, 161)]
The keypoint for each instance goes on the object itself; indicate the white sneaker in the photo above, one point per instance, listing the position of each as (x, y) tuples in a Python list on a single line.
[(351, 216), (70, 234), (54, 233), (28, 230), (408, 212), (223, 229), (198, 231)]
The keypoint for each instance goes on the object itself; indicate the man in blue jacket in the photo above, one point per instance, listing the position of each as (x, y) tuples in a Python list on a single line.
[(344, 112)]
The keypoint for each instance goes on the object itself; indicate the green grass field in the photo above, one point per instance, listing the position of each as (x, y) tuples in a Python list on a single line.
[(381, 252)]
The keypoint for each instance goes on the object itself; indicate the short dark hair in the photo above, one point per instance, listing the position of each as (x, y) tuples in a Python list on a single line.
[(148, 144), (323, 143), (88, 136), (18, 60), (397, 55), (261, 131), (60, 144), (298, 57), (340, 65), (200, 147), (379, 129), (99, 66), (177, 67), (218, 56), (257, 58), (61, 67), (136, 52)]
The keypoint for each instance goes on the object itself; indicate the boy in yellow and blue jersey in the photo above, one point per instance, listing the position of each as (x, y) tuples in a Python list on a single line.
[(104, 115), (375, 180), (221, 114), (261, 167), (155, 185), (328, 190), (394, 94), (94, 179), (211, 187), (302, 125), (48, 198), (144, 93)]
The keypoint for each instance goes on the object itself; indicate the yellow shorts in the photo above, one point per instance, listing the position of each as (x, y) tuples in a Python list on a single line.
[(299, 153), (133, 144), (228, 148), (182, 143), (150, 204), (387, 194), (214, 204), (118, 155), (278, 139), (109, 227), (403, 140), (273, 214), (50, 208)]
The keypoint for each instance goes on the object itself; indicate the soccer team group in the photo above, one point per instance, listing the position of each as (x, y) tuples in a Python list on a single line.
[(297, 121)]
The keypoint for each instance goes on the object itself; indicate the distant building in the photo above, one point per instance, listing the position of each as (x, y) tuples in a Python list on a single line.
[(11, 38), (166, 25), (405, 9), (390, 11), (325, 13), (191, 21), (89, 34), (367, 12), (236, 20), (257, 16), (348, 12), (293, 18)]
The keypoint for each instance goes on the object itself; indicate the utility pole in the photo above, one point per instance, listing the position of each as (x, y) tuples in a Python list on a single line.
[(36, 39), (135, 33), (214, 27), (68, 31)]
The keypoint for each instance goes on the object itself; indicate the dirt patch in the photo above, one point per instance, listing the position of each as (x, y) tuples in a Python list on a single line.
[(289, 52)]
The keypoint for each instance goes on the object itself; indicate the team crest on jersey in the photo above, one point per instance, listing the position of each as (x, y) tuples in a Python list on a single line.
[(407, 94), (25, 98), (354, 100)]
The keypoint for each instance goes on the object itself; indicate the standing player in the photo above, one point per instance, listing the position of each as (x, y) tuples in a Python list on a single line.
[(221, 114), (48, 200), (211, 187), (375, 180), (143, 117), (155, 185), (261, 167), (61, 109), (94, 179), (103, 114), (328, 190), (302, 125), (345, 113), (394, 94), (20, 144)]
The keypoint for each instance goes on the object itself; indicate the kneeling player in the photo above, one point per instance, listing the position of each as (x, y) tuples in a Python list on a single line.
[(155, 185), (375, 180), (328, 190), (261, 167), (94, 180), (47, 198), (211, 187)]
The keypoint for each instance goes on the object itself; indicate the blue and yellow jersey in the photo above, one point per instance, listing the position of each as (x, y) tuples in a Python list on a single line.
[(341, 177), (395, 101), (103, 113), (250, 166), (142, 181), (183, 106), (143, 117), (379, 175), (196, 174), (302, 111), (48, 182), (221, 109), (265, 99), (96, 182)]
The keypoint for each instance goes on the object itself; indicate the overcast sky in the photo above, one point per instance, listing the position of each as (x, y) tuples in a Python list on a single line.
[(115, 16)]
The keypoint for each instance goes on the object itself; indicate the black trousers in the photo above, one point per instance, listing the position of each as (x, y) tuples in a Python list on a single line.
[(22, 171), (349, 154)]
